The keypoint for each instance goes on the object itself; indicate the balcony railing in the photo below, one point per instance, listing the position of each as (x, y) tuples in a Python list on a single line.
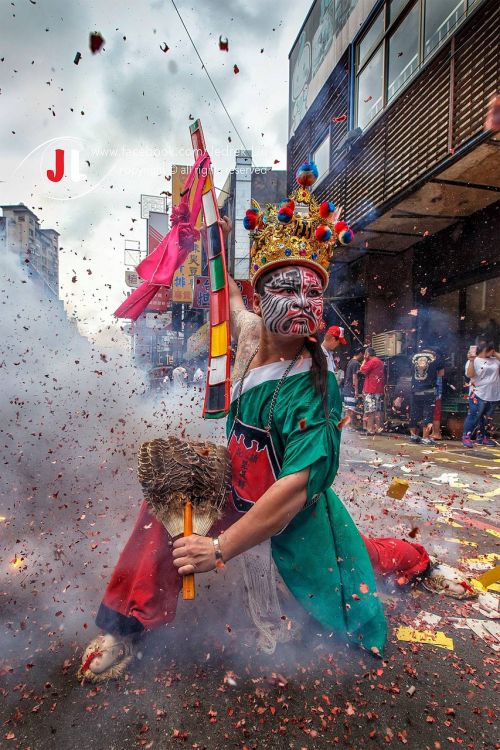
[(443, 31), (404, 76)]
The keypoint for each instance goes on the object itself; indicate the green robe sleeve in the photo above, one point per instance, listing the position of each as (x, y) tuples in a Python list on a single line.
[(310, 439)]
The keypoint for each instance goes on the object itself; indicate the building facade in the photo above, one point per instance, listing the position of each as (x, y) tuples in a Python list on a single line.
[(36, 248), (400, 131), (244, 183)]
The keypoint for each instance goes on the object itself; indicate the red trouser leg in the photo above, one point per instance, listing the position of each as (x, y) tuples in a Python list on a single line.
[(143, 590), (389, 555)]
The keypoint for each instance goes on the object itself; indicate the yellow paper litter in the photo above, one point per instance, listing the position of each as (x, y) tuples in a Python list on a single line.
[(413, 635), (476, 584), (397, 488), (490, 576)]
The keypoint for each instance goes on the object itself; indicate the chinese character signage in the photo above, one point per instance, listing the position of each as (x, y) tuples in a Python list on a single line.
[(246, 290), (131, 279), (201, 293), (150, 203), (183, 283)]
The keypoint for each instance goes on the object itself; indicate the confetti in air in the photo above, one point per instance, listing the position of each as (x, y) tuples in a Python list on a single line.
[(96, 40)]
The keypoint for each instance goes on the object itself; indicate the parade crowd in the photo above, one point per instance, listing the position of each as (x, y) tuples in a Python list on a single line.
[(365, 395)]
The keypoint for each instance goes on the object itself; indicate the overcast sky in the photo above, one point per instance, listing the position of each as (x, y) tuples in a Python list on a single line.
[(130, 96)]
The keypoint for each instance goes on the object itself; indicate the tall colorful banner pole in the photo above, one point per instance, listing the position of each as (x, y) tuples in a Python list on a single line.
[(157, 270), (217, 393)]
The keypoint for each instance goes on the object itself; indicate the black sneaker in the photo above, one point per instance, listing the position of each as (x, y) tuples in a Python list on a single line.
[(415, 439)]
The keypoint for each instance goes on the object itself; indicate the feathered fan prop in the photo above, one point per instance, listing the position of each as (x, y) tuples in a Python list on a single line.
[(185, 484)]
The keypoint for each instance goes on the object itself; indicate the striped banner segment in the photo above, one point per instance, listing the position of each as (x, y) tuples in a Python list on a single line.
[(217, 393)]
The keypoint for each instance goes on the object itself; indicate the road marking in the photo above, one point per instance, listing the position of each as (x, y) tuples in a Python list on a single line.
[(488, 527), (491, 493), (465, 542)]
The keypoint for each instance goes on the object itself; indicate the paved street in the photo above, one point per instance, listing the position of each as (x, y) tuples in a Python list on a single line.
[(198, 685)]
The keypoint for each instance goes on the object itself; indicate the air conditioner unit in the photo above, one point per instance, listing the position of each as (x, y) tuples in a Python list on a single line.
[(387, 344)]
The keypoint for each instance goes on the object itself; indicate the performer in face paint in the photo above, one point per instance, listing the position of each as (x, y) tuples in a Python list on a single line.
[(284, 440)]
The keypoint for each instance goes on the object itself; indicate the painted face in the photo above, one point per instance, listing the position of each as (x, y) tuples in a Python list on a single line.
[(292, 301)]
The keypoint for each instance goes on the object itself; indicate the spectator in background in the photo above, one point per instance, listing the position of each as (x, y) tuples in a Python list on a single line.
[(333, 338), (483, 369), (179, 378), (198, 376), (373, 390), (339, 373), (426, 367), (350, 391)]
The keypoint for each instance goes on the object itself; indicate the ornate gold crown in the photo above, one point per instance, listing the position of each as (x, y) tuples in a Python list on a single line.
[(297, 231)]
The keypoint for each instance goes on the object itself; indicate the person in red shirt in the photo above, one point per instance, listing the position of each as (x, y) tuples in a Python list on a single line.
[(373, 390)]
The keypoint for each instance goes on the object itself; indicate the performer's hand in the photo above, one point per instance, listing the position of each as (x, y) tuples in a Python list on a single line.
[(226, 225), (194, 554)]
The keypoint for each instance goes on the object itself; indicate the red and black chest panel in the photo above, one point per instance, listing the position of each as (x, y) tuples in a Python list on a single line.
[(255, 466)]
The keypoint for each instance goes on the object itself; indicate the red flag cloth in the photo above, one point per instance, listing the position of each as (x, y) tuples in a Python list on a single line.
[(158, 268), (137, 302)]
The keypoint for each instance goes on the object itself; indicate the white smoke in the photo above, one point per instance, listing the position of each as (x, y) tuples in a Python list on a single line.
[(71, 422)]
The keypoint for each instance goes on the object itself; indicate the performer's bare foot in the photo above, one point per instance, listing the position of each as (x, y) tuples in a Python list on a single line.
[(106, 658)]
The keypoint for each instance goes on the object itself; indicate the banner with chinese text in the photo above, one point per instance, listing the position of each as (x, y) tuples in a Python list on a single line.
[(182, 285)]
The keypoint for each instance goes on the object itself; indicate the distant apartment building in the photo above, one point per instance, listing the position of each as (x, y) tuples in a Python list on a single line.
[(36, 248)]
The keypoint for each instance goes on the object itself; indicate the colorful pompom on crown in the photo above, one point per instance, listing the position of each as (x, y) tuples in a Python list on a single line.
[(298, 230)]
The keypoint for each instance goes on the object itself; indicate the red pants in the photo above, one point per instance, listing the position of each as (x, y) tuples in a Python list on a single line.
[(143, 590)]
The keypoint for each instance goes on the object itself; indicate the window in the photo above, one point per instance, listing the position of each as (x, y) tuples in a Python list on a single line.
[(370, 89), (403, 52), (370, 39), (441, 17), (393, 47), (395, 8), (321, 157)]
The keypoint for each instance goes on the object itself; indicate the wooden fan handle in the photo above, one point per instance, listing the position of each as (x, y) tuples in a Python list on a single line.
[(188, 587)]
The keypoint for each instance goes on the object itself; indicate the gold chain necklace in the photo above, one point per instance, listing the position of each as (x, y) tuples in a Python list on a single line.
[(276, 390)]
